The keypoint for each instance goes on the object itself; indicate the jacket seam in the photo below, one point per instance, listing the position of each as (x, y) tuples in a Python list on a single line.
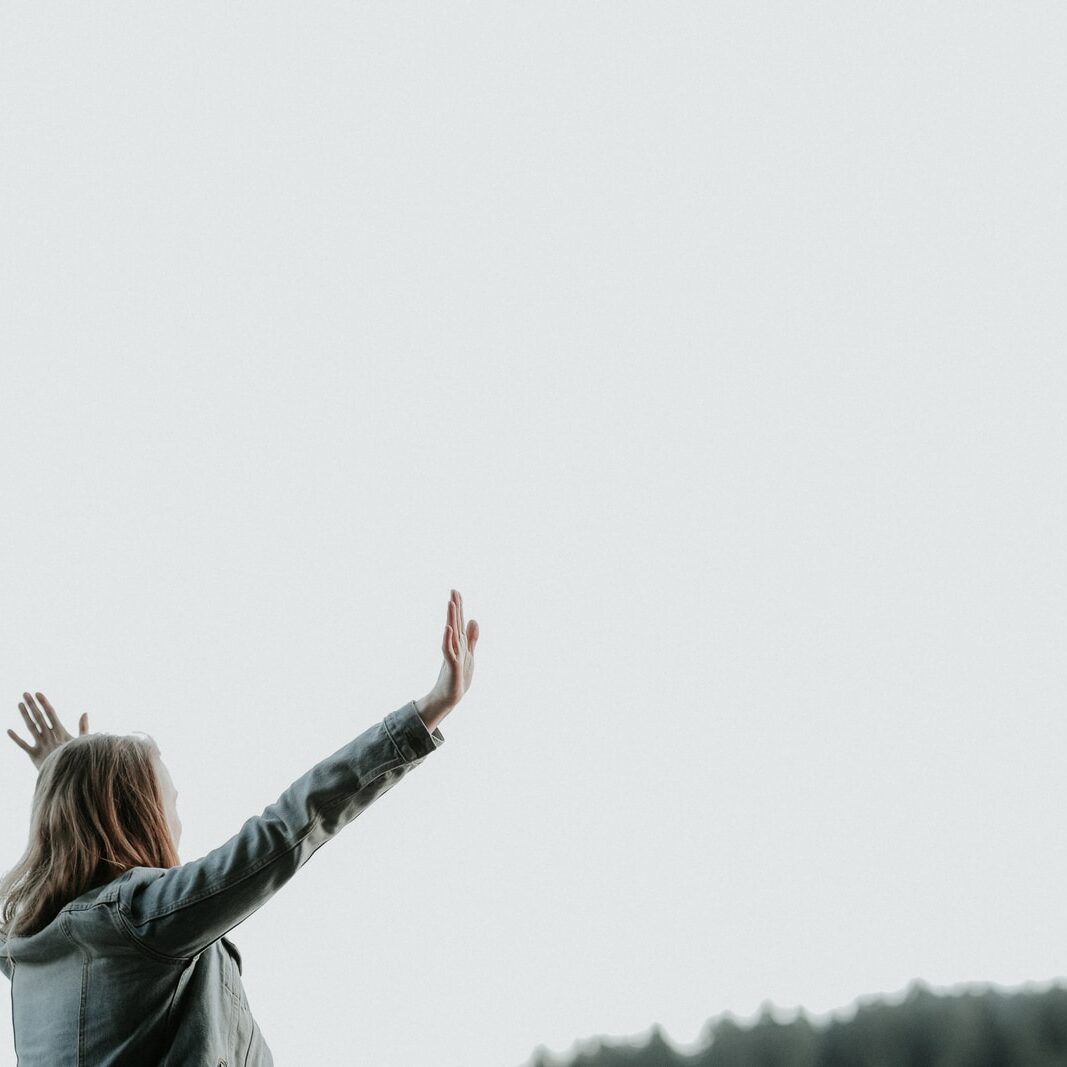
[(64, 928), (86, 978), (14, 1035), (248, 1050)]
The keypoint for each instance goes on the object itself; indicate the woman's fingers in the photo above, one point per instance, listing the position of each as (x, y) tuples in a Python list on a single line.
[(460, 629), (18, 741), (42, 722), (47, 732), (33, 727), (452, 627), (49, 724), (53, 718), (466, 636), (457, 644)]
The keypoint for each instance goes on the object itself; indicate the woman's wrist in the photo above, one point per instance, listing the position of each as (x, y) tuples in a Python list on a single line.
[(432, 710)]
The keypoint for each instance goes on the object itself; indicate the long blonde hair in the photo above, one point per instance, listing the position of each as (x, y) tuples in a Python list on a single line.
[(97, 811)]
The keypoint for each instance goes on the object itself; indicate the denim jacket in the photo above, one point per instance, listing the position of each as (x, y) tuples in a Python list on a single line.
[(139, 972)]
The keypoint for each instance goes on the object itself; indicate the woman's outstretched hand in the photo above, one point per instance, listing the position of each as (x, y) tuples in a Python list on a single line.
[(48, 732), (458, 666)]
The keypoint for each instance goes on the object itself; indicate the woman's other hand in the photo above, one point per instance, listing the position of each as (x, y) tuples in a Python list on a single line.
[(48, 732), (458, 666)]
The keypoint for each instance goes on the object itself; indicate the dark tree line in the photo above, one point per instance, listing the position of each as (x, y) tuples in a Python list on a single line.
[(970, 1029)]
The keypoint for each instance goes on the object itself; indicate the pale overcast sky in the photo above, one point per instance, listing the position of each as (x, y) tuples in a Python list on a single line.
[(714, 352)]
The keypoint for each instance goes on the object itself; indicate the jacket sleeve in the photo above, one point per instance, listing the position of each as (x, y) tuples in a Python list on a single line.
[(178, 912)]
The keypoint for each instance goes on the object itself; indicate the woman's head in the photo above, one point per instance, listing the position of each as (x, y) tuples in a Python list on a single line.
[(103, 803)]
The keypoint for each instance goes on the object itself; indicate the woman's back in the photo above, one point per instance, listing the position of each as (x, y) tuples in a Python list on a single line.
[(139, 972)]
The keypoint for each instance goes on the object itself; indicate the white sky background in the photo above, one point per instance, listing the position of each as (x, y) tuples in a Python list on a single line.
[(714, 352)]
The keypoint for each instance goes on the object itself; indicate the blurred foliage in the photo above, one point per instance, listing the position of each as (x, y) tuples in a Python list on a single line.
[(970, 1029)]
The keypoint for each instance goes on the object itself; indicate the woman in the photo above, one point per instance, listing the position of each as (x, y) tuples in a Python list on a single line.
[(115, 949)]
